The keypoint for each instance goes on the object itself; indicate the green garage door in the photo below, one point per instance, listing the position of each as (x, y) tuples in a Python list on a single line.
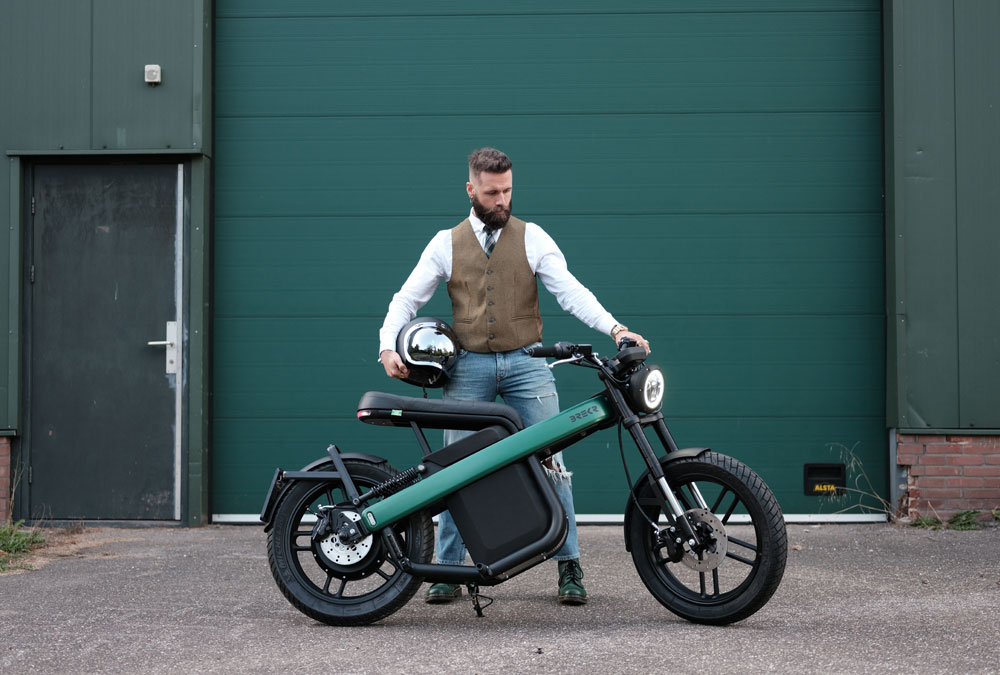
[(713, 172)]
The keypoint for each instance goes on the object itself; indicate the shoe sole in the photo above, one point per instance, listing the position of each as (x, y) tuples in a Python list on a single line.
[(570, 600)]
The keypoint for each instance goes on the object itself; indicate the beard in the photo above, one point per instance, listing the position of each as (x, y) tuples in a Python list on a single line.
[(493, 219)]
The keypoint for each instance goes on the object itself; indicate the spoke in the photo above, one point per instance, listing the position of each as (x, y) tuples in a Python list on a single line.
[(744, 544), (340, 590), (722, 495), (382, 574), (701, 579), (715, 581), (739, 558), (301, 548), (732, 507), (326, 586)]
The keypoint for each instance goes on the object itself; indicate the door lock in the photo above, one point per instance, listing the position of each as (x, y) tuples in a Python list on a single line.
[(171, 344)]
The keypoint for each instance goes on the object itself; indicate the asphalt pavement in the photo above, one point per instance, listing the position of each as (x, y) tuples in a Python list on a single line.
[(854, 599)]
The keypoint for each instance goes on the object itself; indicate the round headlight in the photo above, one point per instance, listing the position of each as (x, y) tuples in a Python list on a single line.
[(646, 389)]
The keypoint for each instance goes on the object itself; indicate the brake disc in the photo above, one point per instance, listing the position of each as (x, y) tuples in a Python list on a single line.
[(339, 556), (713, 534)]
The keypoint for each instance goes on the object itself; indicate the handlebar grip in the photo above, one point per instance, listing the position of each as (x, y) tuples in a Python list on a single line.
[(559, 350)]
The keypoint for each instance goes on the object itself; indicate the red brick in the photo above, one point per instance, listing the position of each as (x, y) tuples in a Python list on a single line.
[(982, 493), (936, 481), (992, 459), (934, 460), (963, 482), (906, 460), (981, 471), (944, 449), (982, 449), (935, 471), (932, 494), (991, 483), (4, 471), (972, 439), (931, 439), (965, 460)]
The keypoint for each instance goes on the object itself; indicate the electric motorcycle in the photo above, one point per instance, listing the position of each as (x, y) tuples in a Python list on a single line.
[(350, 537)]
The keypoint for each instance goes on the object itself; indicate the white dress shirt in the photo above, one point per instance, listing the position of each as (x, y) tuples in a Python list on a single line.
[(544, 257)]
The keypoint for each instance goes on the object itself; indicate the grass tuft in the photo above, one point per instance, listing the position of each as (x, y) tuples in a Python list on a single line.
[(15, 541)]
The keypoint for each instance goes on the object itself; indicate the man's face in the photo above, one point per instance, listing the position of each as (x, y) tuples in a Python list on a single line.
[(492, 197)]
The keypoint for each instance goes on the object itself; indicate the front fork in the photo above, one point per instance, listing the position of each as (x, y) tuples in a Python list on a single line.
[(674, 510)]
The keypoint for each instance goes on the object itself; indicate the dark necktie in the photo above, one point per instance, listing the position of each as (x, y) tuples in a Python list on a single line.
[(491, 242)]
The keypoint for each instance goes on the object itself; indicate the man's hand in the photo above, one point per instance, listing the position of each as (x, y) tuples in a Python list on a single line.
[(639, 340), (393, 364)]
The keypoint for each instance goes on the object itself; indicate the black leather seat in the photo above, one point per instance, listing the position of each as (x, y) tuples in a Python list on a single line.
[(387, 403)]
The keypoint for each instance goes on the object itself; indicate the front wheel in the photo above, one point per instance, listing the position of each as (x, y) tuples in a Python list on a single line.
[(333, 583), (740, 566)]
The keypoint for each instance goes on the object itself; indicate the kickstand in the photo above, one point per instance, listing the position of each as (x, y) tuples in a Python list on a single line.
[(475, 595)]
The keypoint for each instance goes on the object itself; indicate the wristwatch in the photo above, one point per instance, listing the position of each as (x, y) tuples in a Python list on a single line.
[(618, 328)]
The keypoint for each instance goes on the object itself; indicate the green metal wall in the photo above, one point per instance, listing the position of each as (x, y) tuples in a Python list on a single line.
[(712, 172), (943, 190), (72, 86)]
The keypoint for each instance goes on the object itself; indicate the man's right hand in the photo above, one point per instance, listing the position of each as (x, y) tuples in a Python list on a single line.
[(393, 364)]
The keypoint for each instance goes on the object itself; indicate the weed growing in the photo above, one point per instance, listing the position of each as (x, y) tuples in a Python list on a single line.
[(15, 541), (861, 488)]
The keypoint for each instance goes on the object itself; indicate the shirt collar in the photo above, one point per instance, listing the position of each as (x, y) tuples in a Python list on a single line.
[(478, 226)]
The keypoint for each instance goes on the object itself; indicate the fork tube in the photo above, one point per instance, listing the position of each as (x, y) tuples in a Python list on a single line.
[(664, 433), (631, 422)]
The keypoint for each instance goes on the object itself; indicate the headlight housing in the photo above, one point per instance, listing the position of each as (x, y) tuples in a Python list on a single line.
[(646, 387)]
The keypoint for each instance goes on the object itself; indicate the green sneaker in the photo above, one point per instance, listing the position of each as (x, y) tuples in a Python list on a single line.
[(442, 593), (571, 591)]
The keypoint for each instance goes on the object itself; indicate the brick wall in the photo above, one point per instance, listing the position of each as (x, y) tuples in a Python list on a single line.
[(948, 474), (5, 472)]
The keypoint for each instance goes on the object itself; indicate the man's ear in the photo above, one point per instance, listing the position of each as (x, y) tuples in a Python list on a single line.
[(470, 190)]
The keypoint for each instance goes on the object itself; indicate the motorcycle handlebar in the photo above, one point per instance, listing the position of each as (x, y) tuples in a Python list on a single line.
[(560, 350)]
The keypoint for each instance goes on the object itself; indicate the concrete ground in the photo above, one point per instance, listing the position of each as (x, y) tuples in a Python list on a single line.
[(855, 599)]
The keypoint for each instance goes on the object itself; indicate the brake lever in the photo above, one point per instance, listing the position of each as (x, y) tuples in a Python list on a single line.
[(572, 359)]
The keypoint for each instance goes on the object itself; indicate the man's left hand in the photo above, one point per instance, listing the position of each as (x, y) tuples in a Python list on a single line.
[(639, 340)]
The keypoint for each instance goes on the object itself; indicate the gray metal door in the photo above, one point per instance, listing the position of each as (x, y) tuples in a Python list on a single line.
[(102, 408)]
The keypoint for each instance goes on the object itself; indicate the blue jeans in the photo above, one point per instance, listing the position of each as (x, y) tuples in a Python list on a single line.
[(526, 384)]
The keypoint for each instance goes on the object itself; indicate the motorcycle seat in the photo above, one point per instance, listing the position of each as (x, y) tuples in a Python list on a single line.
[(377, 407)]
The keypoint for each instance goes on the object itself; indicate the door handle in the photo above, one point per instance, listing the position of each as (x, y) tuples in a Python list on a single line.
[(171, 346)]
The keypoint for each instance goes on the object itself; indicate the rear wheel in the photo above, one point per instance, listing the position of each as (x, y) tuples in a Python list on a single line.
[(741, 564), (343, 585)]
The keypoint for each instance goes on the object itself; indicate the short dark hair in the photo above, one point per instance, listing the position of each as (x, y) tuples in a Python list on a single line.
[(489, 160)]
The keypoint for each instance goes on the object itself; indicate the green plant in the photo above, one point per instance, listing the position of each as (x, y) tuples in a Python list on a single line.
[(964, 520), (862, 485), (996, 514), (927, 523), (15, 541)]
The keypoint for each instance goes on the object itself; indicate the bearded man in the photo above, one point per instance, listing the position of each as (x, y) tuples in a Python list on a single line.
[(491, 262)]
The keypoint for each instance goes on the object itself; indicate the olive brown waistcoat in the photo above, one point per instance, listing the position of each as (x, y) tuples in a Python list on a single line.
[(494, 300)]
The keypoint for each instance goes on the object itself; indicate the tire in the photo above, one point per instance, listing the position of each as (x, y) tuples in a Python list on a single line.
[(328, 589), (740, 574)]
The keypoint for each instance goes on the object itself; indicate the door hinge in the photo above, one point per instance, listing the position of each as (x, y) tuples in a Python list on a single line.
[(31, 474), (31, 274), (32, 206)]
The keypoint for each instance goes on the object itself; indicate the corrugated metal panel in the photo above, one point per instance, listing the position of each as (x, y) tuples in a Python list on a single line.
[(977, 122), (713, 176)]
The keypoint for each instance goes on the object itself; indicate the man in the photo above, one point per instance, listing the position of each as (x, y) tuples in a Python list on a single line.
[(490, 262)]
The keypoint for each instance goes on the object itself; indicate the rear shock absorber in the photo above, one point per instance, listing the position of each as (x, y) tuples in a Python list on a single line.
[(401, 480)]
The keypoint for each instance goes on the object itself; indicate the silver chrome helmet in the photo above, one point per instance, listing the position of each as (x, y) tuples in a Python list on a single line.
[(429, 348)]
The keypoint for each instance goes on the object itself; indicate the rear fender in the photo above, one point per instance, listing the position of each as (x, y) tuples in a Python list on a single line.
[(630, 506), (319, 470)]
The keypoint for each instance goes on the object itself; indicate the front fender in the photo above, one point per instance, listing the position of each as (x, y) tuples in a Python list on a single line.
[(630, 507), (283, 480)]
